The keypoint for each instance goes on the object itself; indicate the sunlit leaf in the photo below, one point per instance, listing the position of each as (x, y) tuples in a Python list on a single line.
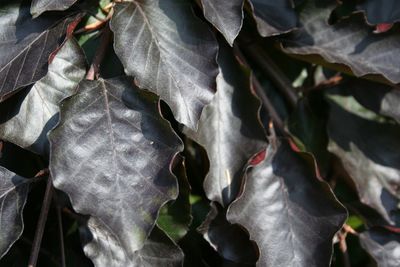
[(40, 6)]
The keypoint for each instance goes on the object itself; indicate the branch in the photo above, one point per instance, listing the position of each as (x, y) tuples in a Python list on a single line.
[(41, 223), (105, 40)]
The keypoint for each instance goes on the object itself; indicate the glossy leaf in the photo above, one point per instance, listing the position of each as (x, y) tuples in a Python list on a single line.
[(27, 116), (382, 245), (229, 129), (26, 45), (274, 17), (168, 51), (158, 251), (380, 11), (13, 194), (350, 42), (226, 16), (289, 213), (368, 150), (111, 153), (230, 240), (40, 6)]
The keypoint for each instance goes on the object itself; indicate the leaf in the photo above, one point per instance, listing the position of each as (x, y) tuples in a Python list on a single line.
[(25, 45), (350, 42), (169, 51), (111, 153), (289, 213), (230, 240), (229, 129), (226, 16), (274, 17), (13, 194), (380, 11), (382, 245), (27, 116), (158, 251), (368, 150), (175, 217), (40, 6)]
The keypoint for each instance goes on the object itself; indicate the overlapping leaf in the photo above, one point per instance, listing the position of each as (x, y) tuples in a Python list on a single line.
[(40, 6), (13, 194), (26, 117), (229, 129), (25, 45), (382, 245), (169, 51), (380, 11), (111, 153), (289, 213), (274, 17), (226, 16), (350, 42), (230, 240), (158, 251), (368, 149)]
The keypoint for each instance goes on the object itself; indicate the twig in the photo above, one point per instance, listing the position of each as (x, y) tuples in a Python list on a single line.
[(105, 40), (43, 251), (41, 223), (60, 231), (262, 59)]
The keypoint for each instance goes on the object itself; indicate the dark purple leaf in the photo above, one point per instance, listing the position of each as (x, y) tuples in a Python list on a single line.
[(226, 16), (25, 45), (13, 194), (350, 42), (274, 17), (26, 117), (230, 240), (368, 150), (382, 245), (380, 11), (290, 214), (40, 6), (229, 129), (169, 51), (111, 153)]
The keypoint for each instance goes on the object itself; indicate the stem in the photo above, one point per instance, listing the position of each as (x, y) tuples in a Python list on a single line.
[(60, 231), (105, 40), (41, 223), (262, 59)]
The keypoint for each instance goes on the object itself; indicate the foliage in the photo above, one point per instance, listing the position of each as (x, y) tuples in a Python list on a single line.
[(199, 133)]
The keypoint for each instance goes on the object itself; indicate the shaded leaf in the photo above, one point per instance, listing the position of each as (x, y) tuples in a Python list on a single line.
[(169, 51), (175, 217), (226, 16), (229, 129), (40, 6), (13, 194), (111, 153), (380, 11), (382, 245), (289, 213), (230, 240), (27, 116), (274, 17), (158, 251), (368, 150), (350, 42), (25, 45)]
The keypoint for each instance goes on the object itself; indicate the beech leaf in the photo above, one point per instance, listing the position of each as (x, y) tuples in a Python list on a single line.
[(14, 191), (111, 153), (350, 42), (27, 116), (25, 45), (380, 11), (229, 129), (290, 214), (40, 6), (226, 16), (169, 51)]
